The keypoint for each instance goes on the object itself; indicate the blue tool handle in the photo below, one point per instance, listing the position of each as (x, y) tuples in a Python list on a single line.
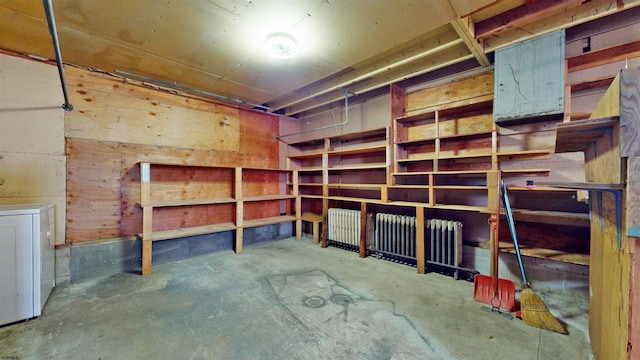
[(512, 229)]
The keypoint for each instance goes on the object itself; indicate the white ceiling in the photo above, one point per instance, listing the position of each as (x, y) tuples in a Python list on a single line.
[(216, 46)]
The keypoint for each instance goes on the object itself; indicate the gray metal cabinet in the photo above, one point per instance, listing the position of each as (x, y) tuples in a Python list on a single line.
[(529, 78)]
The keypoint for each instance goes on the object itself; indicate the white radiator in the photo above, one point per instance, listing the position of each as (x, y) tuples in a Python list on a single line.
[(344, 226), (396, 234), (395, 237), (445, 242)]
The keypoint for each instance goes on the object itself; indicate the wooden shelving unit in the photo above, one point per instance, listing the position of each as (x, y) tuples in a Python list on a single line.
[(239, 187), (443, 158)]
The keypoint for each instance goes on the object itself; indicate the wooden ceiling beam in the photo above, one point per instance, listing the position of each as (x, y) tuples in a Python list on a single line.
[(466, 30), (588, 11), (523, 14), (440, 60), (604, 56), (432, 43)]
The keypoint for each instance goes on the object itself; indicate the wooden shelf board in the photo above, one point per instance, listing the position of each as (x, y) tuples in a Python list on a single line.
[(415, 142), (190, 231), (355, 186), (314, 170), (551, 217), (401, 161), (310, 184), (524, 155), (265, 169), (406, 203), (424, 187), (549, 254), (312, 196), (168, 203), (306, 143), (421, 116), (462, 172), (443, 173), (592, 84), (359, 167), (306, 156), (517, 172), (152, 164), (360, 150), (266, 198), (268, 221), (459, 187), (465, 156), (537, 187), (480, 209), (584, 185), (355, 199), (463, 135), (578, 135), (415, 173), (362, 135)]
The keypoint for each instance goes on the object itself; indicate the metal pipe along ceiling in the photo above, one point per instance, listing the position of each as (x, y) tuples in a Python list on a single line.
[(48, 9), (345, 122)]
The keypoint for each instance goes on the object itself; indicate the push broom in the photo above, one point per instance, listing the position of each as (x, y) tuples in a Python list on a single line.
[(534, 312)]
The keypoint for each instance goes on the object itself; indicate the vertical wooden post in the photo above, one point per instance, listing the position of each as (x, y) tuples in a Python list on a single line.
[(493, 193), (239, 210), (437, 141), (432, 191), (567, 93), (494, 248), (147, 217), (420, 239), (147, 241), (363, 229), (298, 200), (325, 192)]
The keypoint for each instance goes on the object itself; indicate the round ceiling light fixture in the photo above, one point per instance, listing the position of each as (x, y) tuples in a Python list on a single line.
[(281, 45)]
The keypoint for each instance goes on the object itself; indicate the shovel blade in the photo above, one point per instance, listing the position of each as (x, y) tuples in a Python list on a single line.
[(484, 291)]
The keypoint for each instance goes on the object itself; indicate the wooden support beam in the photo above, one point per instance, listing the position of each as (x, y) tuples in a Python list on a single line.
[(592, 84), (604, 56), (522, 15), (363, 229), (587, 11), (466, 30), (420, 239)]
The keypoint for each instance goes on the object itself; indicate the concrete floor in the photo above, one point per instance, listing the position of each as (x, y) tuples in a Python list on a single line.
[(286, 299)]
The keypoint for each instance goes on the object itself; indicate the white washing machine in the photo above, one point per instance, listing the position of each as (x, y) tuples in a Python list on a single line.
[(27, 270)]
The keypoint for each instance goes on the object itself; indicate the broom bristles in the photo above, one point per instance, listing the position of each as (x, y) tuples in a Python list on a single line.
[(535, 312)]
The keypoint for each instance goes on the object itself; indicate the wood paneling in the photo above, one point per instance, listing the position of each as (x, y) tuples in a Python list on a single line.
[(32, 162), (93, 189), (469, 88), (610, 262), (113, 117), (116, 125), (630, 113)]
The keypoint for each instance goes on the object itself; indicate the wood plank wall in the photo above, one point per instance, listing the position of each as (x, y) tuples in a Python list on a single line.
[(117, 124), (32, 161), (610, 267)]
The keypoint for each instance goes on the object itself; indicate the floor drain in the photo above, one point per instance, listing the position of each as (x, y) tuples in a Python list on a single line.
[(341, 299), (314, 301)]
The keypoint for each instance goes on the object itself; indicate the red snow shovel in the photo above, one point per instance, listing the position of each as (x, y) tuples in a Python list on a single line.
[(491, 290)]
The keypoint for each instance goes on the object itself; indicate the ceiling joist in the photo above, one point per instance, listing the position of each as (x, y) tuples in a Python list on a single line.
[(522, 15), (466, 30), (588, 11), (436, 61), (434, 42)]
